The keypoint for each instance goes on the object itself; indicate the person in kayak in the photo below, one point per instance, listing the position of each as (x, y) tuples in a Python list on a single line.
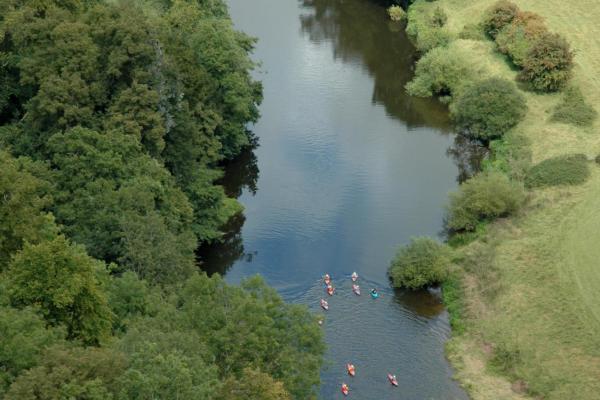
[(374, 292)]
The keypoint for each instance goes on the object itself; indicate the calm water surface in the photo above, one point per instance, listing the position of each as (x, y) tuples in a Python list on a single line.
[(347, 169)]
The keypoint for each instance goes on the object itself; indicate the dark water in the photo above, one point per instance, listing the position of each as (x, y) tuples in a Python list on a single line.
[(348, 168)]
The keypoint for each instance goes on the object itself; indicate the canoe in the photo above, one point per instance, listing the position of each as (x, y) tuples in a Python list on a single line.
[(356, 289), (345, 389), (392, 379), (325, 305), (351, 370), (330, 290)]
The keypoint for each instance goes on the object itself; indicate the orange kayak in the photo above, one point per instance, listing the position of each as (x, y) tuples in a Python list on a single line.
[(351, 370)]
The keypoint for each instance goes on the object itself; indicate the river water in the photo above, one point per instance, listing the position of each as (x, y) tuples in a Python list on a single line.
[(348, 168)]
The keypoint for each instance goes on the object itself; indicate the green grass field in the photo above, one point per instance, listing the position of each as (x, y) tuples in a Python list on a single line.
[(532, 287)]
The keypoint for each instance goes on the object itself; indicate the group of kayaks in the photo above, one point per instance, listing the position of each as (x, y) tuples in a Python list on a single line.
[(355, 289), (350, 369), (352, 372)]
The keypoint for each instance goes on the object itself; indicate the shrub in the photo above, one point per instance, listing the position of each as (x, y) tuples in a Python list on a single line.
[(484, 197), (442, 71), (424, 261), (498, 16), (424, 27), (548, 64), (570, 169), (573, 109), (518, 38), (439, 17), (598, 159), (396, 13), (489, 108), (472, 32)]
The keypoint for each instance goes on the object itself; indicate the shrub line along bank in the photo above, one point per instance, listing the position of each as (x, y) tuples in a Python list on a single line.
[(487, 106)]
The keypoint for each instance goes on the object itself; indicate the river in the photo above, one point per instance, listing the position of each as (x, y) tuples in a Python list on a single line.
[(348, 168)]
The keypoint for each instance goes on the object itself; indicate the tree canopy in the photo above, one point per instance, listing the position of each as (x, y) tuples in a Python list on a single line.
[(115, 119)]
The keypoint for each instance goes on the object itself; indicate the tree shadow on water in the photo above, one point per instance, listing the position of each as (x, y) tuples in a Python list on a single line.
[(360, 32)]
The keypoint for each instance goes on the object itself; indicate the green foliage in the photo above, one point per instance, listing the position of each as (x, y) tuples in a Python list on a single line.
[(488, 109), (66, 284), (70, 373), (510, 154), (24, 338), (486, 196), (598, 159), (505, 358), (573, 109), (517, 39), (452, 294), (422, 262), (549, 63), (254, 385), (472, 32), (396, 13), (128, 298), (570, 169), (25, 198), (174, 78), (426, 26), (122, 205), (498, 16), (441, 71)]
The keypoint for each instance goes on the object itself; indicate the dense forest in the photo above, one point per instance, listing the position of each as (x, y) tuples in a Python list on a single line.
[(114, 119)]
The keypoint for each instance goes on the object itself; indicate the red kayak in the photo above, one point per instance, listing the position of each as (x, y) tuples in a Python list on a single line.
[(392, 379), (324, 304), (356, 289), (345, 389), (330, 290), (351, 370), (354, 277)]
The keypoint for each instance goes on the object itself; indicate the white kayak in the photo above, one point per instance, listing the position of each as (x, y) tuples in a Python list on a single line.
[(356, 289), (354, 277), (324, 304)]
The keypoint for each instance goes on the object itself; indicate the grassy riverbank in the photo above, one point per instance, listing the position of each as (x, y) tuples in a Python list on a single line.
[(531, 314)]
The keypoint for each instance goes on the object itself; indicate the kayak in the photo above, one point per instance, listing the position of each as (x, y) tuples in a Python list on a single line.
[(354, 277), (350, 369), (345, 389), (392, 379), (374, 295), (330, 290), (356, 289), (325, 305), (327, 279)]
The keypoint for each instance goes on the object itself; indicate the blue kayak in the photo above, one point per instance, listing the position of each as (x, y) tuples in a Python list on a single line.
[(374, 295)]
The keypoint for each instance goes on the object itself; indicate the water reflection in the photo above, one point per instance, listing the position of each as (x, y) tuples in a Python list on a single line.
[(219, 256), (241, 173), (468, 156), (424, 303), (360, 32)]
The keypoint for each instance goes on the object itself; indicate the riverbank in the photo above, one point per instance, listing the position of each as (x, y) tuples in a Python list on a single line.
[(530, 319)]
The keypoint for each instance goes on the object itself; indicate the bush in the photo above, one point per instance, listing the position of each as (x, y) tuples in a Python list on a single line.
[(439, 17), (498, 16), (424, 27), (424, 261), (518, 38), (484, 197), (570, 169), (574, 110), (442, 71), (472, 32), (396, 13), (548, 64), (489, 108), (598, 159)]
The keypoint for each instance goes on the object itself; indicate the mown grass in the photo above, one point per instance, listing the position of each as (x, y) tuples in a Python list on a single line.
[(531, 308)]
